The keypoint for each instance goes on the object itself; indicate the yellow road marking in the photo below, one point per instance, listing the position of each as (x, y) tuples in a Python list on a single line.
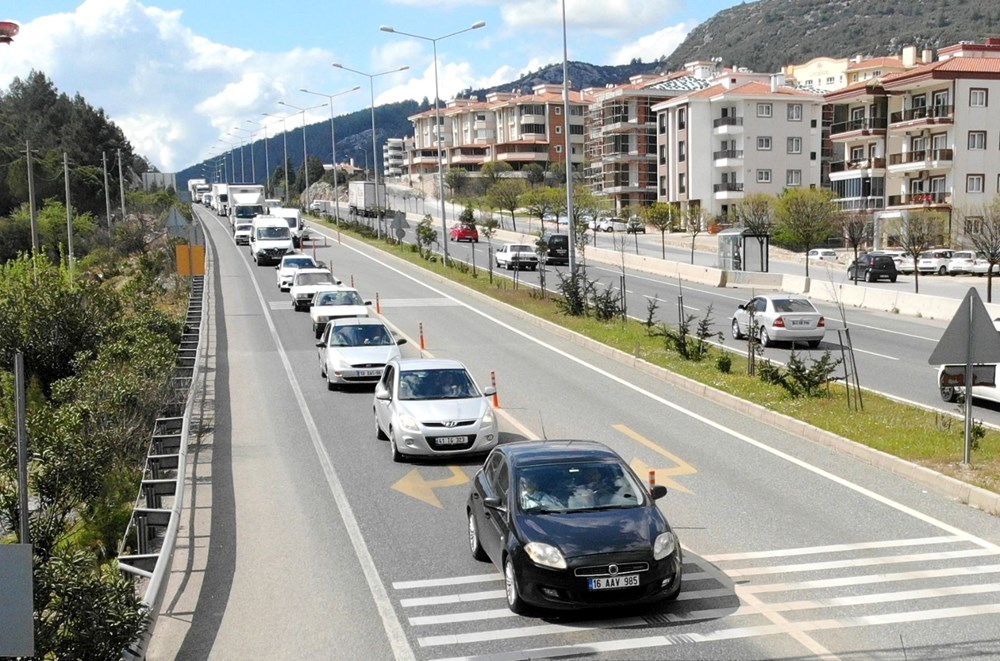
[(413, 484), (679, 468)]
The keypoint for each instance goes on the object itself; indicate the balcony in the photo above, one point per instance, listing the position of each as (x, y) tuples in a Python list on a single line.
[(727, 158), (727, 125), (921, 159), (936, 114), (860, 203), (728, 190), (862, 167), (858, 127), (934, 198)]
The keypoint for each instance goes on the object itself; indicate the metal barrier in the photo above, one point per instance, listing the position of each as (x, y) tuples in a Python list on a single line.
[(147, 548)]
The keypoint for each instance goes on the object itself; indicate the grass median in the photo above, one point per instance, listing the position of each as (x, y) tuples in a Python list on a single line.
[(929, 438)]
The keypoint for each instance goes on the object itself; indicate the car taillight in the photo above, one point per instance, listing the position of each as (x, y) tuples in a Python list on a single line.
[(822, 323), (778, 323)]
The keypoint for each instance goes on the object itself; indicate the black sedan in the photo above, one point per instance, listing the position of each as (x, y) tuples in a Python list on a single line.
[(571, 526)]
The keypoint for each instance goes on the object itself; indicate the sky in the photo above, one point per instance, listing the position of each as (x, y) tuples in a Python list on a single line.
[(179, 75)]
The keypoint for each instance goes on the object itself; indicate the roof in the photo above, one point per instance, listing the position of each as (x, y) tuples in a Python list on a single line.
[(543, 452), (953, 67), (749, 88), (875, 63)]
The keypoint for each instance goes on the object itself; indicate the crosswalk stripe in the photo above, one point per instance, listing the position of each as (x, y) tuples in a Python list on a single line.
[(452, 598), (437, 582), (881, 598), (832, 548), (472, 616), (859, 562), (873, 578), (526, 632)]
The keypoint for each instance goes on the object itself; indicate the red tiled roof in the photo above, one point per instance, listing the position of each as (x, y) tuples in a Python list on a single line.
[(875, 63), (953, 65)]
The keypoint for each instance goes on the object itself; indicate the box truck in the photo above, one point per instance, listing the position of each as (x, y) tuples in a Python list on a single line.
[(364, 199)]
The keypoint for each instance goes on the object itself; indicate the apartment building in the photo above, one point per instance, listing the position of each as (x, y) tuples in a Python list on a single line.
[(529, 127), (820, 73), (473, 131), (394, 157), (620, 133), (745, 133)]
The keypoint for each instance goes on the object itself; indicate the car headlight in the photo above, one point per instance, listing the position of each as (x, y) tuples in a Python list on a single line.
[(488, 416), (545, 555), (664, 545), (408, 423)]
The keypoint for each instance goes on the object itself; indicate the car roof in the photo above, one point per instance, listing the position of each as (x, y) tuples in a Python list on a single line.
[(547, 452), (411, 364), (316, 269), (296, 255), (357, 321)]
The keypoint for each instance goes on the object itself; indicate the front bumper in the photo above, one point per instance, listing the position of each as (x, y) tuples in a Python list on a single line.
[(480, 438)]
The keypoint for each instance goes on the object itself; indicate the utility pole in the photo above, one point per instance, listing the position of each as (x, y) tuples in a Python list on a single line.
[(69, 218), (121, 183), (22, 447), (107, 192), (31, 200)]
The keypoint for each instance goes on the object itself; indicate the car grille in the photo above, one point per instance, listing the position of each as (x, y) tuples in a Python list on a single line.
[(451, 447), (604, 570), (366, 366), (449, 425)]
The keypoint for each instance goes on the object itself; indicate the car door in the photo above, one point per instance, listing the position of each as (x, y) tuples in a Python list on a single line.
[(483, 487), (383, 412), (497, 528), (321, 346)]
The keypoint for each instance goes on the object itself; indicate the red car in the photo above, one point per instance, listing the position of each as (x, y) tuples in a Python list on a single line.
[(464, 233)]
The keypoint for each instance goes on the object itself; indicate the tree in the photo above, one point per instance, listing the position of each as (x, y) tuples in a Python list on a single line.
[(986, 239), (457, 180), (555, 174), (806, 217), (661, 216), (505, 195), (918, 231), (426, 236), (534, 173), (755, 212), (540, 202), (857, 230), (493, 172), (694, 222)]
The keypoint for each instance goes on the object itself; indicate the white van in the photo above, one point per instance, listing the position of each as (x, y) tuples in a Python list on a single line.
[(270, 239), (294, 219)]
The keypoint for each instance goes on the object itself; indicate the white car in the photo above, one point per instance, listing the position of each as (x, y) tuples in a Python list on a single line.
[(355, 351), (607, 225), (306, 282), (242, 233), (516, 256), (334, 303), (433, 407), (289, 264), (904, 263), (823, 254), (934, 261), (961, 262), (982, 265), (779, 318), (950, 392)]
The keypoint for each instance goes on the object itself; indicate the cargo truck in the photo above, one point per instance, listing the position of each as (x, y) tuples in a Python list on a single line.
[(245, 202), (364, 199), (220, 198)]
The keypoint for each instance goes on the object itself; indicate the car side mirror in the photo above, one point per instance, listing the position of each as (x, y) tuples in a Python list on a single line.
[(741, 306), (277, 268), (488, 391), (493, 502), (320, 344), (368, 302), (659, 491), (381, 392), (401, 340)]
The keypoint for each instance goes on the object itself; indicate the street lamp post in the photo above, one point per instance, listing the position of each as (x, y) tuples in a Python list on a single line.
[(284, 165), (267, 163), (305, 155), (568, 148), (437, 117), (253, 169), (243, 169), (232, 156), (333, 147), (371, 87)]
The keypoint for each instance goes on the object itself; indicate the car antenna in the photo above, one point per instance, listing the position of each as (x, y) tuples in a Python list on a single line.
[(542, 421)]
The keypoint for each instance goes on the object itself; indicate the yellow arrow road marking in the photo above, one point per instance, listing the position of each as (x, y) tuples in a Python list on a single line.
[(413, 484), (680, 466)]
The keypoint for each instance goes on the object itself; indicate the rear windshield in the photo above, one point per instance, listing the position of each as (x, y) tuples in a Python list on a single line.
[(558, 241), (792, 305)]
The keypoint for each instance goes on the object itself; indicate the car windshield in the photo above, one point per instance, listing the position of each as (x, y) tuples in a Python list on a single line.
[(520, 247), (298, 263), (293, 223), (249, 211), (244, 228), (792, 305), (272, 233), (339, 298), (313, 279), (576, 487), (436, 384), (360, 335)]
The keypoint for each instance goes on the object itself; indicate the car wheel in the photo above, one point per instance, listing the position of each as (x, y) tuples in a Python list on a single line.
[(943, 270), (477, 549), (397, 456), (949, 394), (514, 601), (892, 278), (869, 276), (379, 434), (765, 339), (737, 335), (330, 385)]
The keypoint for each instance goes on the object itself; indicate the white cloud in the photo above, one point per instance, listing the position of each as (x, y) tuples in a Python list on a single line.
[(617, 18), (652, 46)]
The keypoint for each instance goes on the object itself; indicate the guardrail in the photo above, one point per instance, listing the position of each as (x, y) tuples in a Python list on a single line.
[(152, 530)]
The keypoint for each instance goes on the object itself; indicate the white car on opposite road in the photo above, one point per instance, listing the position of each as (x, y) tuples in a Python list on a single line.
[(516, 256)]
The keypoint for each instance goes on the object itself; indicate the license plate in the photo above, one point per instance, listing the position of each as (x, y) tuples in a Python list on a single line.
[(451, 440), (614, 582), (369, 372), (800, 322)]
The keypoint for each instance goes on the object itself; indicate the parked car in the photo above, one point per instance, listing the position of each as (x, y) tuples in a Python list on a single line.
[(635, 226), (872, 267), (934, 261), (823, 254), (961, 262), (306, 282), (516, 256), (289, 264), (355, 350), (608, 225), (779, 318), (433, 407), (333, 303), (904, 263), (463, 232), (982, 265), (950, 392), (570, 526)]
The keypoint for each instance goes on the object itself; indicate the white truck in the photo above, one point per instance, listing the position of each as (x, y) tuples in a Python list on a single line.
[(294, 219), (245, 202), (270, 239), (364, 199), (197, 188), (220, 198)]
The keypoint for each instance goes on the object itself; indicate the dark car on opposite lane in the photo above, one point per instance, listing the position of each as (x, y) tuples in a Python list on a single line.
[(872, 267)]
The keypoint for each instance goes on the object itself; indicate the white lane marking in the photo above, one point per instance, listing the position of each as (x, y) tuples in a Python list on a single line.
[(393, 627), (872, 353), (893, 332), (882, 598), (472, 616), (415, 302), (525, 632), (452, 598), (859, 562), (440, 582), (831, 548), (919, 575)]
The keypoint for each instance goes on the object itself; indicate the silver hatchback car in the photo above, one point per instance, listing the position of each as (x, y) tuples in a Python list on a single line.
[(433, 408)]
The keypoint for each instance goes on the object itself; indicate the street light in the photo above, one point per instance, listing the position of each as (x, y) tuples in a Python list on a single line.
[(232, 157), (267, 163), (333, 146), (567, 148), (284, 135), (437, 115), (371, 87), (243, 169), (253, 170), (305, 156)]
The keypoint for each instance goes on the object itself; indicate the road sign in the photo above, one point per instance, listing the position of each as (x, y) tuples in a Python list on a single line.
[(970, 337)]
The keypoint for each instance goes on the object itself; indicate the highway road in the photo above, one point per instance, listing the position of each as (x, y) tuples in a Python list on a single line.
[(322, 547)]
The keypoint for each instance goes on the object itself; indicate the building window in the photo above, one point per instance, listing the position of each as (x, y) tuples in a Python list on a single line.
[(795, 145), (681, 152), (978, 98), (973, 225), (681, 119), (764, 109), (558, 149), (763, 176), (764, 143), (975, 183), (977, 140), (558, 109), (793, 177), (830, 80), (558, 130), (663, 154), (682, 183), (663, 186), (795, 112), (663, 122)]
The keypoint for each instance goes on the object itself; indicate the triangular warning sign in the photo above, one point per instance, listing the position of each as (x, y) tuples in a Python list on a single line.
[(971, 327)]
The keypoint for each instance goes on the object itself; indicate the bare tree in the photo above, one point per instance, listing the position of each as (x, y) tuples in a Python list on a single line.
[(755, 212), (806, 216), (983, 229), (661, 216), (695, 219), (857, 230), (918, 231)]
